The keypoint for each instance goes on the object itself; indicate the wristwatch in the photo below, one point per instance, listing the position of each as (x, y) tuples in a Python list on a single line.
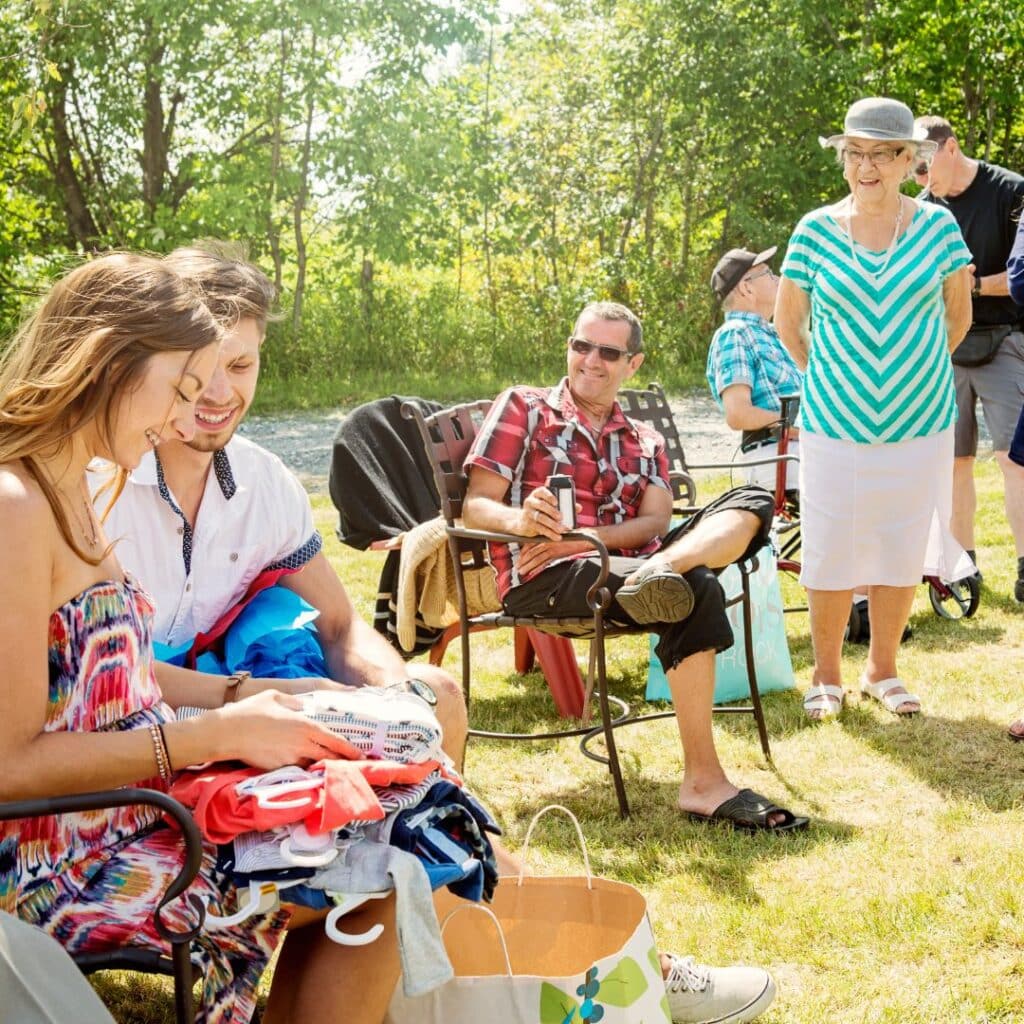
[(417, 688), (976, 287)]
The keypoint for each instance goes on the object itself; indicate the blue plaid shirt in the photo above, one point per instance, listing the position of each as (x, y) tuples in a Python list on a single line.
[(746, 350)]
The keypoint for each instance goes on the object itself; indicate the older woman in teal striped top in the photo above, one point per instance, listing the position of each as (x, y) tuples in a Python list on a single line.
[(875, 294)]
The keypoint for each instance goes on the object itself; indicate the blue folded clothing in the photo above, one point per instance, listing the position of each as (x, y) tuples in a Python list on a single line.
[(448, 828), (273, 638), (284, 654)]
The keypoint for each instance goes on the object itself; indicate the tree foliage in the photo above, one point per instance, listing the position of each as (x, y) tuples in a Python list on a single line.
[(426, 175)]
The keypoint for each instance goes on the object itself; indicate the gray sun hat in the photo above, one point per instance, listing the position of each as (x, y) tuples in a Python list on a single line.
[(884, 120)]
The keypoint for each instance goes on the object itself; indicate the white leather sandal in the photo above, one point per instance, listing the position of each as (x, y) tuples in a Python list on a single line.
[(885, 692), (824, 698)]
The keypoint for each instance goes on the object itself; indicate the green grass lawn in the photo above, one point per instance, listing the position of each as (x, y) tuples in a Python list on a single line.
[(899, 904)]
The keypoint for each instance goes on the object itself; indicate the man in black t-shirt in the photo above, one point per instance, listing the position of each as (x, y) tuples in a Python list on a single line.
[(986, 201)]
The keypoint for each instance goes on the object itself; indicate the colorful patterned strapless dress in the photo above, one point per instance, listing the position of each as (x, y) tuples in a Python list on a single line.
[(92, 880)]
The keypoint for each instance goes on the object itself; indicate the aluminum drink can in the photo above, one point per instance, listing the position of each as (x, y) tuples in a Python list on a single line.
[(562, 487)]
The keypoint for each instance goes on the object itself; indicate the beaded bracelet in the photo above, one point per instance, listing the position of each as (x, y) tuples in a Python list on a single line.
[(167, 750), (163, 760)]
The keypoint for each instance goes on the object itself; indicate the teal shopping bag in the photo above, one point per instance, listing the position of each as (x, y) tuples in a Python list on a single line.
[(771, 650)]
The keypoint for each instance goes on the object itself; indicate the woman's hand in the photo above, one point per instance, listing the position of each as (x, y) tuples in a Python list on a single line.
[(267, 731)]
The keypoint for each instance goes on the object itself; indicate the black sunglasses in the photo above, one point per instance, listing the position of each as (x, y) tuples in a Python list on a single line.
[(609, 353)]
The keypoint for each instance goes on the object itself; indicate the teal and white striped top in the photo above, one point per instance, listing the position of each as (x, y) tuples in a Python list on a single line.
[(879, 368)]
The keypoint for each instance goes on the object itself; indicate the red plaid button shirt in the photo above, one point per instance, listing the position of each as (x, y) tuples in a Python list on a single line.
[(531, 433)]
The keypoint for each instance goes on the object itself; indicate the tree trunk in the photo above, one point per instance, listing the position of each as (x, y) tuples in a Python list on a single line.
[(154, 138), (301, 197), (95, 178), (974, 91), (488, 274), (684, 246), (649, 224), (273, 227), (461, 255), (640, 179), (366, 300), (81, 224), (553, 247)]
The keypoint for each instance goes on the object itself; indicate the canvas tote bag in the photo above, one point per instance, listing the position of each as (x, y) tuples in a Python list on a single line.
[(771, 648), (547, 951)]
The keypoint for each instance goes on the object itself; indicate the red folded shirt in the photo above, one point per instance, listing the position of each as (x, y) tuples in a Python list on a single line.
[(346, 795)]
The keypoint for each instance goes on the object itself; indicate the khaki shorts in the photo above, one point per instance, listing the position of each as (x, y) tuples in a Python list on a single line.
[(1000, 386)]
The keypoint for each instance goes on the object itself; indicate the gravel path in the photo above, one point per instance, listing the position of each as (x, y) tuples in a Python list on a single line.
[(303, 440)]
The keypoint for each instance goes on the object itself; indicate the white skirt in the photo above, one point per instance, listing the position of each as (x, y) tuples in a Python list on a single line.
[(877, 514)]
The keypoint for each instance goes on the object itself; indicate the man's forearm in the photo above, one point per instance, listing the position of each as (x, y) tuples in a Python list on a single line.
[(633, 533), (994, 284), (362, 655), (753, 417), (486, 514), (482, 513)]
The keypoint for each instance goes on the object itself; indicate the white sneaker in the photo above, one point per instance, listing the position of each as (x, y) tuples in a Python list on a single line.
[(716, 995)]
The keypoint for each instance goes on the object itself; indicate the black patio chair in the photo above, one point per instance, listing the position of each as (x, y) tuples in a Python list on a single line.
[(178, 963), (448, 436)]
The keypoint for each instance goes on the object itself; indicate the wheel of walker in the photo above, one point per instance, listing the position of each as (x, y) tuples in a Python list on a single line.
[(957, 600)]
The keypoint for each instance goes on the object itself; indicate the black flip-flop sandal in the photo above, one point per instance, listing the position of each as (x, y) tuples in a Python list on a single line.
[(748, 811)]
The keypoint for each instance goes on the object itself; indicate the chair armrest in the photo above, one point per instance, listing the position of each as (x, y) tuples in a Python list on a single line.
[(685, 482), (598, 596), (125, 798)]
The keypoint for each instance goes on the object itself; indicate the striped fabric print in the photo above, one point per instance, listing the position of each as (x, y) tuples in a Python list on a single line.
[(91, 880), (879, 368)]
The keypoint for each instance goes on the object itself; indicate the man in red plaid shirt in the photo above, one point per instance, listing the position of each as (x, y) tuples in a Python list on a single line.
[(665, 580)]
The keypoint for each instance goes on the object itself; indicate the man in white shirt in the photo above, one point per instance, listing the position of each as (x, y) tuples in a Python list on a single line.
[(198, 522)]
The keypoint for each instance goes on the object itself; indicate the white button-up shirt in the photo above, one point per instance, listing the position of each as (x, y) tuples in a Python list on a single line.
[(254, 515)]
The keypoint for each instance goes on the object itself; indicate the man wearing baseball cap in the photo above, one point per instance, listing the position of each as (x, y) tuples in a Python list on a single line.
[(988, 366), (748, 369)]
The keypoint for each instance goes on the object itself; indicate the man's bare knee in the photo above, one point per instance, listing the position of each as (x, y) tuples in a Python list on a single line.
[(451, 704), (750, 522), (442, 683)]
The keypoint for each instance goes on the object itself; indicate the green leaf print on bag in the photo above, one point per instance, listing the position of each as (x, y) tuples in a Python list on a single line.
[(625, 984), (655, 959), (623, 987)]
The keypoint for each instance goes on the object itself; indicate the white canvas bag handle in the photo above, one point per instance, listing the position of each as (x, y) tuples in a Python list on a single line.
[(579, 833), (497, 924)]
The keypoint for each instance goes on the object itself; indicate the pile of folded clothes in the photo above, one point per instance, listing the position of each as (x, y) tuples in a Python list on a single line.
[(391, 816)]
